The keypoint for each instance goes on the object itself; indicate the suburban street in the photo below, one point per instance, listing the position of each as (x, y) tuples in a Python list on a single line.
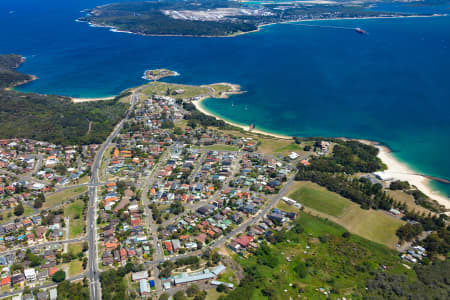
[(93, 272)]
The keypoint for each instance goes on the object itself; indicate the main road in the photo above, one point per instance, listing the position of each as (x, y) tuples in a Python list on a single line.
[(93, 272)]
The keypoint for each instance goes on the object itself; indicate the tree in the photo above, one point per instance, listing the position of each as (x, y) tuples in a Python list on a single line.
[(59, 276), (409, 231), (221, 288), (301, 270), (19, 210), (179, 296), (192, 290), (164, 296)]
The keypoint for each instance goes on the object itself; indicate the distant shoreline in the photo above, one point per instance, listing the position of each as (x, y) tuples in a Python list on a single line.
[(259, 27), (395, 169), (80, 100)]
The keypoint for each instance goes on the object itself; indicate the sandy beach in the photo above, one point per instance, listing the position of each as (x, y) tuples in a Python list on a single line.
[(395, 169), (79, 100), (198, 105), (401, 171)]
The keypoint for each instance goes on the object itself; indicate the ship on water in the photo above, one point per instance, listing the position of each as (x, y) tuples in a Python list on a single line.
[(360, 31)]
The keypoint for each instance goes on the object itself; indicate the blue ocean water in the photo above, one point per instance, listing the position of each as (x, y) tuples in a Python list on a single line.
[(391, 85)]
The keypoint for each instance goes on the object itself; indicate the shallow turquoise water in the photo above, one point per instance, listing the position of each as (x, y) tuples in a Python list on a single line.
[(390, 86)]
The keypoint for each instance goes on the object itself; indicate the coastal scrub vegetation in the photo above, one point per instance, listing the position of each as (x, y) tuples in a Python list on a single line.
[(52, 118), (73, 291), (432, 283), (313, 257), (197, 118), (8, 75)]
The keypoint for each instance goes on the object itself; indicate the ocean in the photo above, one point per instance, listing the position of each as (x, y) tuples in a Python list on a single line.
[(391, 86)]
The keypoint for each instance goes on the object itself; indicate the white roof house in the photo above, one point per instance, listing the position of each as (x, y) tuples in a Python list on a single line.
[(144, 287), (228, 285), (167, 285), (139, 275), (186, 278), (217, 270), (30, 274), (293, 155)]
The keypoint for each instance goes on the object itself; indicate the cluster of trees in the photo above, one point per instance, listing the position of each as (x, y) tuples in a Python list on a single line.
[(59, 276), (8, 75), (432, 283), (409, 231), (349, 157), (168, 266), (361, 191), (113, 283), (399, 185), (177, 207), (19, 209), (56, 119), (73, 291), (438, 242), (39, 201)]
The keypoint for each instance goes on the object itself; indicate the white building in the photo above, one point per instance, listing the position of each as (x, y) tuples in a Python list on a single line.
[(144, 287), (53, 294), (293, 155), (30, 274)]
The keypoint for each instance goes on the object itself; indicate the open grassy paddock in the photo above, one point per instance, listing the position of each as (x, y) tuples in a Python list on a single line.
[(339, 265), (375, 225), (75, 212), (59, 197), (75, 248), (319, 198), (161, 88), (75, 267), (9, 215), (219, 147)]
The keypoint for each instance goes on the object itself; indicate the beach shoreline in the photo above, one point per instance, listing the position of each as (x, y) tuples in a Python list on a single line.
[(199, 107), (396, 169), (80, 100), (401, 171)]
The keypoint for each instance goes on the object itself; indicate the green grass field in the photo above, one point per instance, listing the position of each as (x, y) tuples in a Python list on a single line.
[(293, 147), (59, 197), (75, 267), (374, 225), (160, 88), (26, 212), (286, 207), (75, 212), (219, 147), (75, 248), (212, 294), (319, 198), (339, 265)]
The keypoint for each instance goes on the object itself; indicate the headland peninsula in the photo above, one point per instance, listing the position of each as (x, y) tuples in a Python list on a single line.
[(222, 18)]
